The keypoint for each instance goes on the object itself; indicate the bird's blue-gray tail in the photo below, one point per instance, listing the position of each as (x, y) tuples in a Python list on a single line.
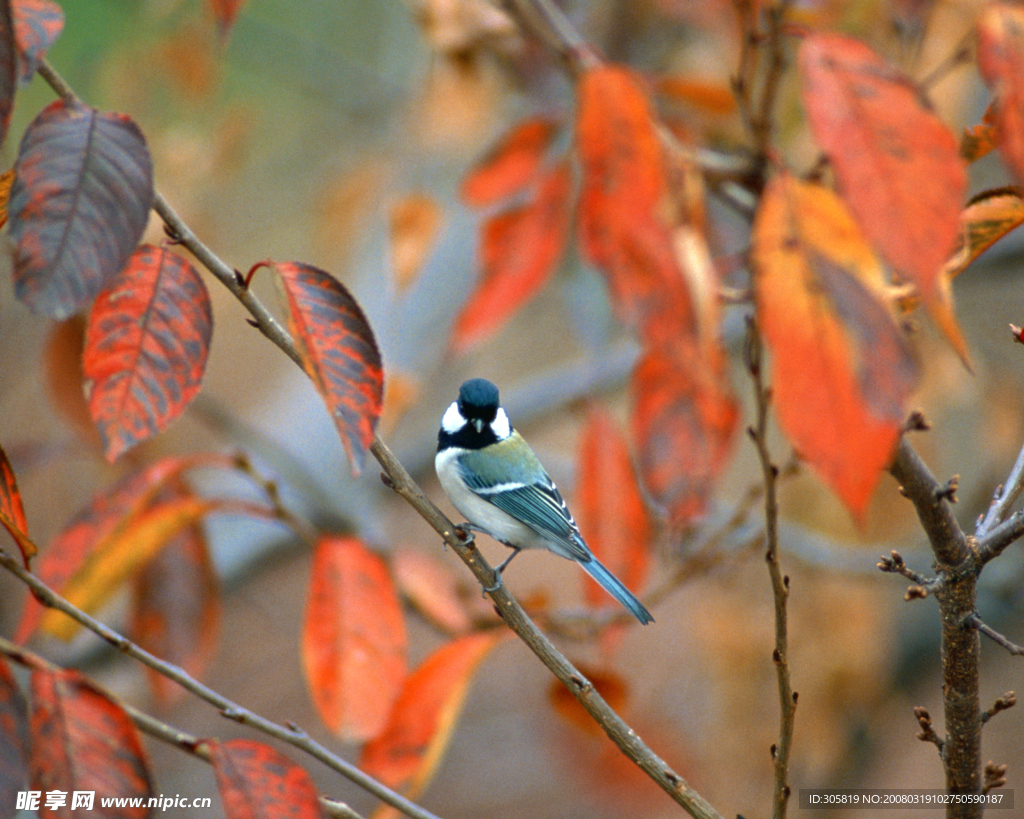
[(614, 587)]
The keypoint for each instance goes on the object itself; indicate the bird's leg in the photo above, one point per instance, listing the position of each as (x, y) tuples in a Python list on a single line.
[(501, 568), (465, 532)]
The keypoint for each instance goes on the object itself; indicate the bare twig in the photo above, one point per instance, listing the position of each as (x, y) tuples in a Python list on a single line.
[(780, 582), (998, 538), (1003, 703), (1004, 498), (973, 621), (158, 729), (922, 585), (290, 734), (927, 732)]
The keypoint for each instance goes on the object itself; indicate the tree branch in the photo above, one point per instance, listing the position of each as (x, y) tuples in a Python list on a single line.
[(293, 735), (972, 620), (157, 729), (956, 592), (780, 582)]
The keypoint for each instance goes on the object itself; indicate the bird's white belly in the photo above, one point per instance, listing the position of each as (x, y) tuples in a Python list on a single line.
[(498, 524)]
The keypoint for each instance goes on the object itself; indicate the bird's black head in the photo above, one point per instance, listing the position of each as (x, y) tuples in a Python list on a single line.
[(475, 420), (478, 400)]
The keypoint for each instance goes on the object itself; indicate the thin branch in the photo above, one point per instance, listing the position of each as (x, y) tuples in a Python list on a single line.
[(1003, 703), (780, 582), (1004, 498), (158, 729), (927, 732), (922, 587), (997, 539), (291, 734), (972, 620)]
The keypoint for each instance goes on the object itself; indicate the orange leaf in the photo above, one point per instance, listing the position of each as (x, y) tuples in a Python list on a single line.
[(12, 511), (612, 515), (225, 12), (6, 178), (703, 95), (897, 164), (120, 557), (423, 719), (176, 609), (415, 222), (84, 741), (520, 249), (104, 520), (62, 360), (988, 217), (353, 638), (511, 165), (684, 421), (841, 371), (339, 353), (256, 781), (626, 213), (981, 139), (1001, 63), (431, 588)]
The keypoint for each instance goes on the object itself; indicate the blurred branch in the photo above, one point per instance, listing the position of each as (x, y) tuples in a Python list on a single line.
[(156, 728), (1004, 498), (398, 479), (291, 734), (752, 354)]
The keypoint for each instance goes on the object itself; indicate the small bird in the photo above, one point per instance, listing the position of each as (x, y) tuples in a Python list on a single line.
[(492, 477)]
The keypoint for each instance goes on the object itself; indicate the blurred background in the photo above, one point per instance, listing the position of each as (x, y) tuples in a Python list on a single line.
[(336, 133)]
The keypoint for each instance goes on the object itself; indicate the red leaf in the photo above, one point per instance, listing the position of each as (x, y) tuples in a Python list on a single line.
[(684, 421), (105, 519), (353, 638), (37, 25), (81, 196), (520, 249), (511, 165), (256, 781), (1001, 62), (225, 12), (431, 588), (145, 347), (897, 164), (176, 609), (84, 741), (841, 371), (339, 353), (12, 511), (423, 719), (624, 204), (612, 514), (13, 739), (8, 66)]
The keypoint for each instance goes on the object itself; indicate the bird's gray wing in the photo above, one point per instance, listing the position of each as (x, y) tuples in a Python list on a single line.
[(541, 507)]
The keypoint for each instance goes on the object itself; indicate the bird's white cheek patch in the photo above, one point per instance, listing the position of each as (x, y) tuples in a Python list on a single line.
[(452, 421), (500, 425)]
